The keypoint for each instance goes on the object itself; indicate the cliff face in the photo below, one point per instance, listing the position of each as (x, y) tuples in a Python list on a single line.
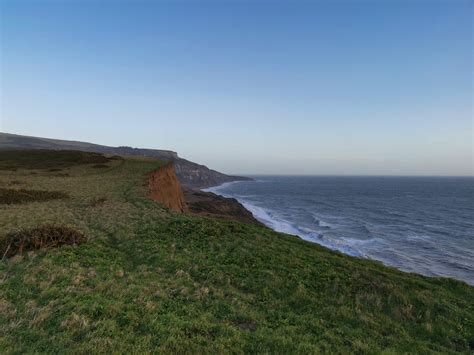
[(163, 186)]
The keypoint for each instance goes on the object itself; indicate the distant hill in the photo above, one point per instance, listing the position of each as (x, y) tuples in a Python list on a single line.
[(191, 175)]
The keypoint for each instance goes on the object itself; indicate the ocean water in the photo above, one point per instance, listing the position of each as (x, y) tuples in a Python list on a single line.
[(417, 224)]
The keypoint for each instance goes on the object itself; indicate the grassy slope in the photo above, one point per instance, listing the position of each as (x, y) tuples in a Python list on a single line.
[(150, 280)]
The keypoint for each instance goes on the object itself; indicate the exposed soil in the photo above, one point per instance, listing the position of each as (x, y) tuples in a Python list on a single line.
[(163, 186)]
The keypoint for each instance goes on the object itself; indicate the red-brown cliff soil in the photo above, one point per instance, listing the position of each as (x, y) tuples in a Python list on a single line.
[(163, 186)]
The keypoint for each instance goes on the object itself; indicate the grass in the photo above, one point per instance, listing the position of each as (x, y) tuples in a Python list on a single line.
[(149, 280)]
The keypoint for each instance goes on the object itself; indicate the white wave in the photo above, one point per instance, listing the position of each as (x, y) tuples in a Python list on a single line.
[(324, 224), (217, 189), (418, 237), (280, 225), (264, 216)]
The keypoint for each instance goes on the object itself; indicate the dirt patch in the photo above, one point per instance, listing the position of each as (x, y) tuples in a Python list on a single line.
[(47, 236), (14, 196), (100, 166)]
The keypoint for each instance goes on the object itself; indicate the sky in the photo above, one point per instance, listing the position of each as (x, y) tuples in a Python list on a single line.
[(249, 87)]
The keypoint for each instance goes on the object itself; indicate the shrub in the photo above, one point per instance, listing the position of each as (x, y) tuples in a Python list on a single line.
[(12, 196), (47, 159), (46, 236), (62, 175)]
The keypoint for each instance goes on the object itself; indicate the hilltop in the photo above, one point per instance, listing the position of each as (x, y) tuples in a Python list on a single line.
[(191, 175), (134, 276)]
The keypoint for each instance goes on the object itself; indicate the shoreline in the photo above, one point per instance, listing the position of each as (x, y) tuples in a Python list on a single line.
[(209, 204), (264, 216)]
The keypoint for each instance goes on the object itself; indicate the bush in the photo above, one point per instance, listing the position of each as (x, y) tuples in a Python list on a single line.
[(47, 236), (12, 196), (47, 159)]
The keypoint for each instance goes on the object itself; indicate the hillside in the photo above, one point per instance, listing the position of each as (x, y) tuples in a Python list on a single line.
[(141, 278), (191, 175)]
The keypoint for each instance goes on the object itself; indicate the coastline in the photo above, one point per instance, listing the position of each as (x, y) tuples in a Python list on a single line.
[(347, 245), (208, 204), (278, 225)]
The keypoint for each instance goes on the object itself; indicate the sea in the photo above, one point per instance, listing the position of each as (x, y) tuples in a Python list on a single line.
[(416, 224)]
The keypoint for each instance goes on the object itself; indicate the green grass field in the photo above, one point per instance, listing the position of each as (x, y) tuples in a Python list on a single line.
[(148, 280)]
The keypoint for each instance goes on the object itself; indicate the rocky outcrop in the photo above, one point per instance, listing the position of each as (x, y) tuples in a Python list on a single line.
[(196, 176), (215, 206), (163, 186), (191, 175)]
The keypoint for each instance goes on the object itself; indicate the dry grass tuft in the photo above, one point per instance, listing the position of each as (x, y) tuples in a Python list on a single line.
[(47, 236), (12, 196), (75, 322), (97, 201)]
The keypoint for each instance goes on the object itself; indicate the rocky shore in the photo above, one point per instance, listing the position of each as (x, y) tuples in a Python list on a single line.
[(211, 205)]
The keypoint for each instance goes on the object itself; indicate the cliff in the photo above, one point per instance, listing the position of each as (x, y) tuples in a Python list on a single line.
[(163, 186), (196, 176), (211, 205), (191, 175)]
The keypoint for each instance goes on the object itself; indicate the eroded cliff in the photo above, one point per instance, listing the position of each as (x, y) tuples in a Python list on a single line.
[(163, 186)]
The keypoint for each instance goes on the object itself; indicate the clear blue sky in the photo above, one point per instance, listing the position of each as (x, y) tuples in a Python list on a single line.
[(322, 87)]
